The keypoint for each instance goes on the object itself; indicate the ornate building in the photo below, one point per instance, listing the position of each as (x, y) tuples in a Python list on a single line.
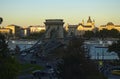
[(109, 26), (80, 29)]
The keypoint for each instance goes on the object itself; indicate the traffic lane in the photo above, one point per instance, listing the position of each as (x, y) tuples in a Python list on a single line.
[(28, 76)]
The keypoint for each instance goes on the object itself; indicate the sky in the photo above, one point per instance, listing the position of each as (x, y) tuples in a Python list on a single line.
[(35, 12)]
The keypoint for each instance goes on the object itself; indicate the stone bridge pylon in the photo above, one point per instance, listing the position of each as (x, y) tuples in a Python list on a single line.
[(52, 39), (54, 28)]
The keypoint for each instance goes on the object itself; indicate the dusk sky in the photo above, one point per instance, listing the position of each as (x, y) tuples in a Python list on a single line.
[(34, 12)]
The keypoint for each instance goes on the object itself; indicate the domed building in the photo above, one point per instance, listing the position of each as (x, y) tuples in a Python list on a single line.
[(109, 26), (80, 29), (89, 26)]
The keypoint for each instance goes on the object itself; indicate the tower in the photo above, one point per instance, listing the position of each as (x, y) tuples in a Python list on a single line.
[(93, 23), (54, 28), (82, 22), (89, 21)]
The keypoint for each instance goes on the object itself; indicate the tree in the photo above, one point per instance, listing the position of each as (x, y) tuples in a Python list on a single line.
[(103, 33), (76, 63), (113, 33), (115, 47), (89, 34), (4, 51), (17, 49), (9, 67)]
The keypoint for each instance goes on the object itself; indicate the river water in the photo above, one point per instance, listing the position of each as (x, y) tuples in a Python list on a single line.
[(96, 51)]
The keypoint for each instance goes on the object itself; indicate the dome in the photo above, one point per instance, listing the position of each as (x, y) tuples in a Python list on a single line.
[(110, 23), (89, 20)]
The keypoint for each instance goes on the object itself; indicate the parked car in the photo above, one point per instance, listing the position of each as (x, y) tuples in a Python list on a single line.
[(23, 54), (38, 73), (116, 72)]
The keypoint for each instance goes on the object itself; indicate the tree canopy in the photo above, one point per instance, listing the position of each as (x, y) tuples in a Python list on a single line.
[(113, 33), (76, 63), (115, 47), (9, 67)]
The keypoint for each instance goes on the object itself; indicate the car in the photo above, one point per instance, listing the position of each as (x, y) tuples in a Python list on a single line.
[(38, 73), (115, 72), (24, 54), (51, 70)]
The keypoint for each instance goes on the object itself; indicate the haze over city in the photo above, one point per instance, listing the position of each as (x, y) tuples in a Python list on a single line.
[(34, 12)]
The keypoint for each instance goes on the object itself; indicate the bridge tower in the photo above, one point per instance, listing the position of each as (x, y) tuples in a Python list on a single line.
[(54, 28)]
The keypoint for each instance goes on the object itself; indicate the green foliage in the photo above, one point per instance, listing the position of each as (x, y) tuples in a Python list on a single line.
[(29, 68), (9, 68), (113, 33), (76, 64), (3, 46), (109, 33), (89, 34), (115, 47)]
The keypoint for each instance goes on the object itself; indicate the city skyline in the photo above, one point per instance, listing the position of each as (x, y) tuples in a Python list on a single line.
[(34, 12)]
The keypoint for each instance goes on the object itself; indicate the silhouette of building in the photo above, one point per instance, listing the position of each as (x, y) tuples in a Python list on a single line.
[(109, 26)]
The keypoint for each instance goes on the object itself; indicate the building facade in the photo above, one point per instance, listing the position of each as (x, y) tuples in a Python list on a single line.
[(109, 26), (80, 29), (16, 30), (25, 32), (5, 31), (36, 28)]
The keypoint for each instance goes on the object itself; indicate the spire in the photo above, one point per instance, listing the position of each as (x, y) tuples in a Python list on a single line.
[(89, 20), (83, 22)]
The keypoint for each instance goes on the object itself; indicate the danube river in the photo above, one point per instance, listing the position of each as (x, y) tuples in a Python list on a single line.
[(96, 50)]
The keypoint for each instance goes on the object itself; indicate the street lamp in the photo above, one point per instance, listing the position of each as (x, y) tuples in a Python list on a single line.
[(1, 20)]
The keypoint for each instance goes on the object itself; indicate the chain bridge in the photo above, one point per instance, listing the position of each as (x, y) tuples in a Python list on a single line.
[(52, 39)]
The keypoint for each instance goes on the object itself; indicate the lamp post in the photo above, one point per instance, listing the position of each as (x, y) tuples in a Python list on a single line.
[(1, 20)]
